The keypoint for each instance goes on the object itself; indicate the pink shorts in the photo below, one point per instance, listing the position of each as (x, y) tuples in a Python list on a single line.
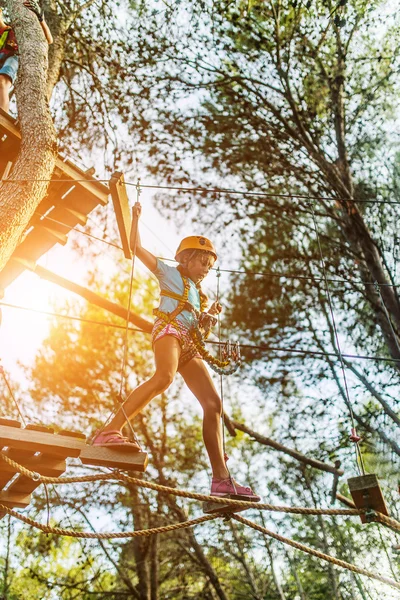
[(182, 334)]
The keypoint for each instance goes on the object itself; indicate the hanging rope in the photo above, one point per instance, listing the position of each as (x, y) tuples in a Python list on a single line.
[(335, 561), (353, 437), (133, 243), (2, 372), (221, 384)]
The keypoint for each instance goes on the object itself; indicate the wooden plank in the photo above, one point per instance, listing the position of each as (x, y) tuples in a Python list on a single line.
[(15, 500), (37, 242), (92, 297), (23, 484), (53, 197), (211, 507), (66, 167), (6, 170), (86, 181), (7, 472), (81, 200), (50, 466), (10, 422), (122, 211), (39, 442), (115, 458), (366, 493)]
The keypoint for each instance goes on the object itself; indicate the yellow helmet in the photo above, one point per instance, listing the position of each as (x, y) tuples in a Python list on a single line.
[(196, 242)]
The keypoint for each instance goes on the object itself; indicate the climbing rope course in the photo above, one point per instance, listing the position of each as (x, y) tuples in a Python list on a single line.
[(235, 504), (228, 362)]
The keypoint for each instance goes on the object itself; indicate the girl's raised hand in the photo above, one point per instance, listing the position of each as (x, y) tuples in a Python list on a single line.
[(137, 209), (215, 308)]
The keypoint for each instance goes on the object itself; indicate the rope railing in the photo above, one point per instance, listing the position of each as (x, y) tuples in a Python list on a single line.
[(118, 476), (326, 557), (192, 523), (106, 535)]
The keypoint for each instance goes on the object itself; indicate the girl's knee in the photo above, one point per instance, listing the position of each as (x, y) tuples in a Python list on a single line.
[(213, 404), (5, 82), (163, 380)]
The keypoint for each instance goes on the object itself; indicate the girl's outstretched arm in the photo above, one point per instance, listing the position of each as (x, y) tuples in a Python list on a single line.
[(147, 258), (33, 5)]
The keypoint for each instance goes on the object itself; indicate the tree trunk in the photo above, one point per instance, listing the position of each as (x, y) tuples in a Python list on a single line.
[(292, 564), (38, 151), (325, 544), (141, 547)]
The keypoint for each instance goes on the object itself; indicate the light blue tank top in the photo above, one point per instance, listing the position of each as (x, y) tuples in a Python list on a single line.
[(170, 280)]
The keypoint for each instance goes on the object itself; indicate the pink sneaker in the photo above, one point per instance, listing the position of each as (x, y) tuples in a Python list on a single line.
[(229, 488), (115, 439)]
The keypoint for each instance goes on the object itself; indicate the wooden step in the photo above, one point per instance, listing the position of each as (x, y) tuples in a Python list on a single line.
[(24, 439), (7, 472), (114, 458), (52, 466), (367, 494), (9, 422), (15, 500), (211, 507)]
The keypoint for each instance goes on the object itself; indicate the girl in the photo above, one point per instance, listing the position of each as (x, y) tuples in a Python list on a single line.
[(9, 52), (182, 305)]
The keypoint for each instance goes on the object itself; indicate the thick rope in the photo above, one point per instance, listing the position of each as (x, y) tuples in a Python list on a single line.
[(181, 493), (109, 535), (388, 521), (336, 561)]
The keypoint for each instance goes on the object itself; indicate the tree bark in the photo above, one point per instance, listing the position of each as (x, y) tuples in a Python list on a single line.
[(38, 152), (141, 547)]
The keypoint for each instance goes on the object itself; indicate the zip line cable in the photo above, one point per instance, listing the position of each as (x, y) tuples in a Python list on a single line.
[(255, 347), (211, 191), (263, 194), (359, 462), (233, 271), (71, 317)]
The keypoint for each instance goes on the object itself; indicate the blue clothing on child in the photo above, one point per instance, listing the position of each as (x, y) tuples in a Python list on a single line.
[(9, 65), (170, 280)]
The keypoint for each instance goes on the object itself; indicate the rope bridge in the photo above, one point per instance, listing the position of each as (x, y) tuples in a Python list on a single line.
[(117, 476)]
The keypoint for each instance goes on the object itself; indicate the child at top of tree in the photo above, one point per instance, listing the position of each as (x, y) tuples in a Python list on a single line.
[(9, 52), (182, 304)]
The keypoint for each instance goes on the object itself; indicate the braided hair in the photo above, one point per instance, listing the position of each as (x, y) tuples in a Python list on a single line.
[(184, 259)]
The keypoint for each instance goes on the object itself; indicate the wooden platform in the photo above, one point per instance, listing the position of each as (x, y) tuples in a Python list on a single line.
[(72, 195), (211, 507), (367, 494), (40, 450)]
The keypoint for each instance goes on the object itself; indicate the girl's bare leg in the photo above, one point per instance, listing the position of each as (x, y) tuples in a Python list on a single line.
[(167, 351), (5, 86), (199, 381)]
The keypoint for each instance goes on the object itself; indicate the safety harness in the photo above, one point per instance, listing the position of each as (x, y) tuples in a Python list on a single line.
[(7, 41), (198, 332), (3, 39)]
